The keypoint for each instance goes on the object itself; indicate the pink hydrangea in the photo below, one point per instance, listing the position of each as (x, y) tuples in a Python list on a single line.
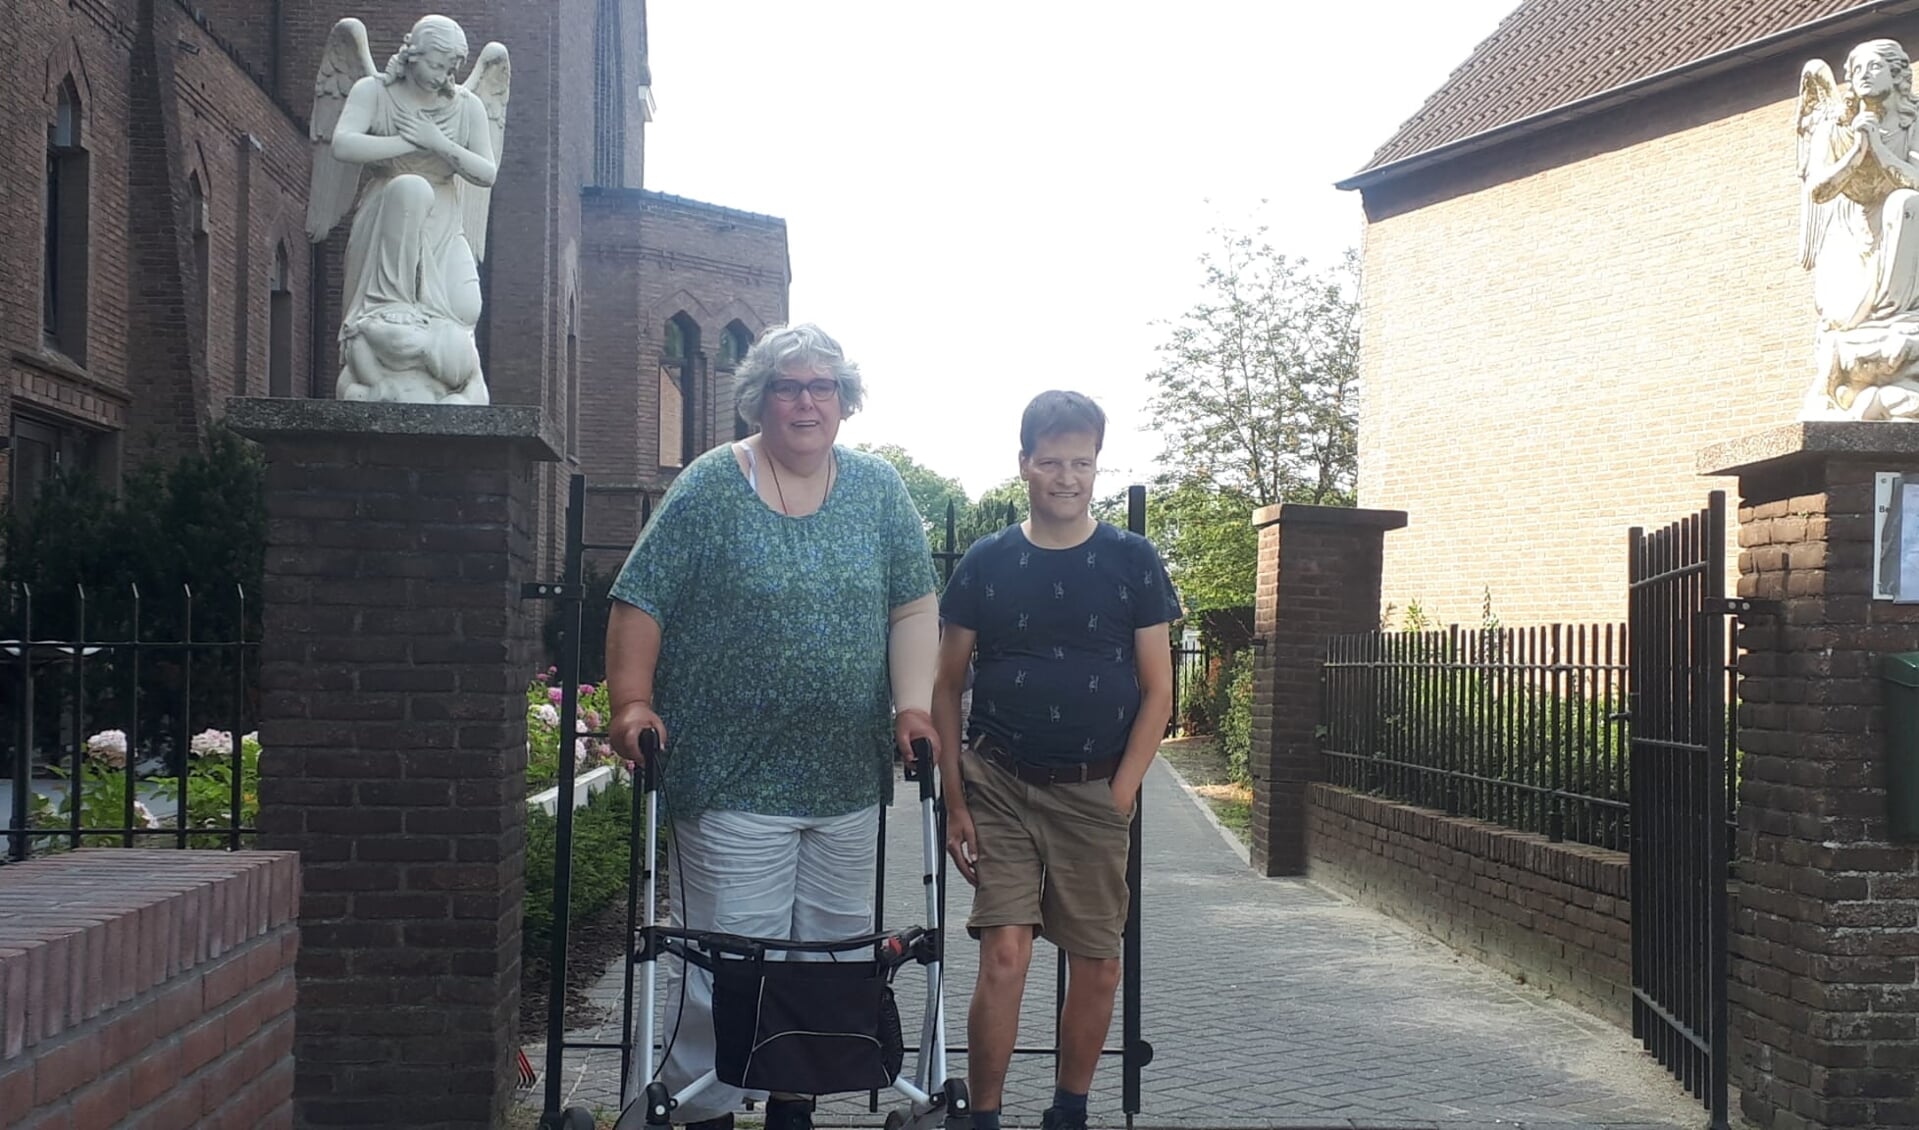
[(554, 694), (545, 713), (592, 718), (210, 743)]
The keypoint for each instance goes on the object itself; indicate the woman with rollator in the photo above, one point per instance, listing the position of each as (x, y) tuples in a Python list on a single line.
[(775, 624)]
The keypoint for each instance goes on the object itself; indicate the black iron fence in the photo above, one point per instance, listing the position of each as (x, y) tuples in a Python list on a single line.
[(1522, 727), (129, 718)]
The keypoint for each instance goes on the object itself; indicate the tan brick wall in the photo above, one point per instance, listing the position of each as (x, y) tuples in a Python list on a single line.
[(1552, 331)]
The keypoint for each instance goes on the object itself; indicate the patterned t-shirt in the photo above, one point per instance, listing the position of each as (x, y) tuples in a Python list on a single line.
[(772, 679), (1056, 680)]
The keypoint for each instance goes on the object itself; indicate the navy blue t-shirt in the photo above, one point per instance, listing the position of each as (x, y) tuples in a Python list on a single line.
[(1055, 679)]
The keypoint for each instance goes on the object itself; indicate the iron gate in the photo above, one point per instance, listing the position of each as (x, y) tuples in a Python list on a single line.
[(1681, 766)]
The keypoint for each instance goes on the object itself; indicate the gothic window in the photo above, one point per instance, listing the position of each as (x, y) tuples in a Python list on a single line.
[(734, 342), (64, 266), (280, 327), (202, 249), (679, 403)]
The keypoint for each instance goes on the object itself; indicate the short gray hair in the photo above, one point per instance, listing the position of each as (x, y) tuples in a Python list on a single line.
[(784, 348)]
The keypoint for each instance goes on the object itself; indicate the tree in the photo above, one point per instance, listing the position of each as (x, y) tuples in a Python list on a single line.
[(1257, 387), (1256, 398), (929, 490), (1207, 536)]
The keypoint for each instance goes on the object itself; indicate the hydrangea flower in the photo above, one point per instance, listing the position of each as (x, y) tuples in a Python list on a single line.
[(546, 714), (210, 743), (554, 694), (109, 748)]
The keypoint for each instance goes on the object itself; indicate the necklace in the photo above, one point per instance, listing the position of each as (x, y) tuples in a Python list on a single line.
[(773, 465)]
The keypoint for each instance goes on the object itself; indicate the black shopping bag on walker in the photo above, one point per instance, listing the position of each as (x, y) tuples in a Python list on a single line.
[(808, 1027)]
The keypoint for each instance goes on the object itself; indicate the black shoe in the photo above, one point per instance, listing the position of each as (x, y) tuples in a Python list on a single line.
[(1055, 1119), (789, 1114), (723, 1122)]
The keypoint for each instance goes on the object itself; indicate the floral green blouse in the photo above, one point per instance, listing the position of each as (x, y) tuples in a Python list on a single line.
[(772, 678)]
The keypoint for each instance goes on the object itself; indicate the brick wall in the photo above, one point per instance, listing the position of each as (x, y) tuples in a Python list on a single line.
[(148, 988), (1824, 994), (647, 257), (1557, 916), (49, 43), (1318, 577), (1555, 326), (395, 657), (162, 98)]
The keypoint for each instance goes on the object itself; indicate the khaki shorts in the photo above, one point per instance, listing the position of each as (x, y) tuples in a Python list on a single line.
[(1050, 856)]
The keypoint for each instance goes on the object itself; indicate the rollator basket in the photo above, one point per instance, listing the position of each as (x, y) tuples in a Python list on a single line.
[(808, 1027)]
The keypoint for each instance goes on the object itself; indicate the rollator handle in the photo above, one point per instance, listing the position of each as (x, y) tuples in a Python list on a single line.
[(921, 767), (649, 757)]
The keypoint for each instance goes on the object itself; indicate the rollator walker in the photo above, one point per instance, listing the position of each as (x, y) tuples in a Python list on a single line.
[(783, 1023)]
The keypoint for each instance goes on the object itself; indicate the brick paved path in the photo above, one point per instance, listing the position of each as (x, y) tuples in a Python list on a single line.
[(1273, 1003)]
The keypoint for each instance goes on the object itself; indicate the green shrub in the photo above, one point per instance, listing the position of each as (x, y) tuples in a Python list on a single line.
[(601, 842), (1236, 718)]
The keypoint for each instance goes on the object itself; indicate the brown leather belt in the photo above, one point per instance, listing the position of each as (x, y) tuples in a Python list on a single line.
[(990, 748)]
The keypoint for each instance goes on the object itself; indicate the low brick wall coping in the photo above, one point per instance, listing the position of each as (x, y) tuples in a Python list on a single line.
[(1329, 516), (85, 931), (258, 417), (1809, 439)]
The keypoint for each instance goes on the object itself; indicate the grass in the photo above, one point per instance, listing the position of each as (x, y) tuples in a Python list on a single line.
[(1203, 764)]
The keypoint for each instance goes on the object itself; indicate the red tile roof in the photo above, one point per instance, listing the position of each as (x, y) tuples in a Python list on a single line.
[(1550, 54)]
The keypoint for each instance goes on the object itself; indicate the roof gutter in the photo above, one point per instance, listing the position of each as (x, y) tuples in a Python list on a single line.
[(1633, 91)]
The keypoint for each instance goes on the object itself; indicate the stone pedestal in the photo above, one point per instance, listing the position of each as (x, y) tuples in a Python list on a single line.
[(1824, 997), (1318, 577), (394, 666)]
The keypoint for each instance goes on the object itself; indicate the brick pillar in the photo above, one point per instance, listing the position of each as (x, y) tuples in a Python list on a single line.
[(394, 666), (1824, 994), (1318, 577)]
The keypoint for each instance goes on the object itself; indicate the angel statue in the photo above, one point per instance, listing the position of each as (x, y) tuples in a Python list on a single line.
[(1859, 233), (413, 154)]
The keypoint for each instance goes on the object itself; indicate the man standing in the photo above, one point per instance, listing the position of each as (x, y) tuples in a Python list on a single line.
[(1072, 689)]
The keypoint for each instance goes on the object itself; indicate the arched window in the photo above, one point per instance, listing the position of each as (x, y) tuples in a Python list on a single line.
[(735, 340), (65, 225), (679, 381), (280, 327), (573, 378), (202, 246)]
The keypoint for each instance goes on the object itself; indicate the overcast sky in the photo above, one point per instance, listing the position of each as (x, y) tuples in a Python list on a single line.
[(989, 199)]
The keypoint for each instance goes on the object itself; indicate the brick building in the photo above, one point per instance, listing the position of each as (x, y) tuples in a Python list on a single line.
[(154, 166), (1580, 268)]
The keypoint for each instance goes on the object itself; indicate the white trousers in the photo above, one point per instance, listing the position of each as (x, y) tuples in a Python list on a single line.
[(808, 879)]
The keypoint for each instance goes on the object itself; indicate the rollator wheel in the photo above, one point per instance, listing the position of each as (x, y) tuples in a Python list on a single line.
[(894, 1120), (959, 1106), (577, 1118)]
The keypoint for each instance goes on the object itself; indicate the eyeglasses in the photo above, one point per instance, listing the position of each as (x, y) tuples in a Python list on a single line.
[(789, 390)]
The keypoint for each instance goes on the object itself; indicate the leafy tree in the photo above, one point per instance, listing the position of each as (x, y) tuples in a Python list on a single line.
[(930, 490), (1207, 536), (933, 494), (1257, 386), (1256, 400)]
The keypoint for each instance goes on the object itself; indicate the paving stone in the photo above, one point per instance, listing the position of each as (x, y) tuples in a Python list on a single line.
[(1269, 1003)]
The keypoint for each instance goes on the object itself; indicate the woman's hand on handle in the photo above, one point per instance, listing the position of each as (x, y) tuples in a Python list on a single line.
[(910, 725), (629, 723)]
